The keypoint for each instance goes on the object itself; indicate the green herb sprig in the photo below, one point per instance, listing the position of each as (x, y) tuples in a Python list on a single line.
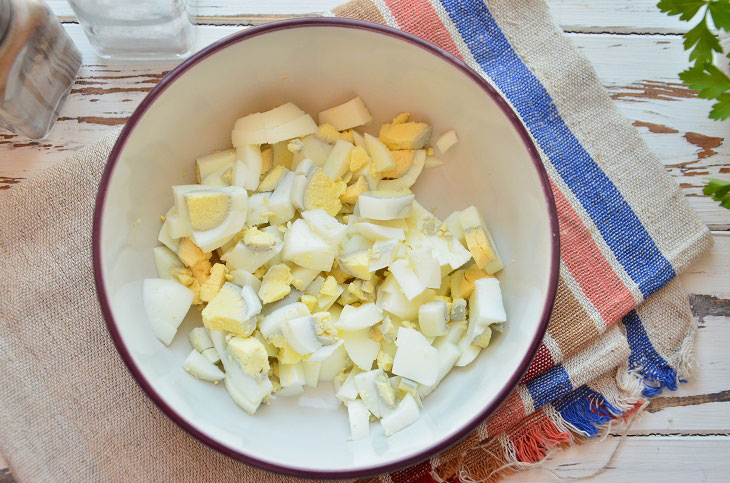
[(703, 76)]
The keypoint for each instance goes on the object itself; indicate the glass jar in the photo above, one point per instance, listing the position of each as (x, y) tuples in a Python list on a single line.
[(137, 29), (38, 64)]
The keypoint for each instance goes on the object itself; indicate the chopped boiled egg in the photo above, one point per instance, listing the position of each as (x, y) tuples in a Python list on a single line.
[(197, 365), (405, 135), (352, 113), (250, 353), (415, 358), (276, 283), (446, 141), (228, 311), (479, 241), (383, 205), (166, 303), (312, 261)]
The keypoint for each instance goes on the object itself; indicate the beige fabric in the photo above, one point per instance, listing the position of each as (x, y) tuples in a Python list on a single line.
[(69, 409)]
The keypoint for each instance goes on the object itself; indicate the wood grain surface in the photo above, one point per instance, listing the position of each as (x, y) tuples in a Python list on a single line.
[(637, 52)]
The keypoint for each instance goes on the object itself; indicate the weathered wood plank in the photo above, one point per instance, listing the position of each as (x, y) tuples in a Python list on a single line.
[(619, 16), (642, 458)]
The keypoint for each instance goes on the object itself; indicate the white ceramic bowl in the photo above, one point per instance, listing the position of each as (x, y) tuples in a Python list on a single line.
[(318, 63)]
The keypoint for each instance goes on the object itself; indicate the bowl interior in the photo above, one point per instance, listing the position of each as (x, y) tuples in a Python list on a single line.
[(317, 66)]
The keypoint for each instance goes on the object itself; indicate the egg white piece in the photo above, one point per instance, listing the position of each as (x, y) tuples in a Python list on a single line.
[(326, 226), (403, 416), (337, 162), (243, 278), (407, 279), (301, 335), (199, 339), (350, 114), (362, 317), (468, 351), (433, 318), (214, 162), (200, 367), (415, 358), (359, 418), (271, 323), (291, 374), (311, 372), (307, 249), (280, 205), (375, 232), (165, 261), (426, 267), (348, 390), (166, 303), (249, 259), (333, 364), (361, 348), (380, 154), (446, 141), (379, 205), (253, 302), (485, 307)]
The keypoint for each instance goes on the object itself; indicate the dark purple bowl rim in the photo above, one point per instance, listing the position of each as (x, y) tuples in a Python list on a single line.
[(232, 452)]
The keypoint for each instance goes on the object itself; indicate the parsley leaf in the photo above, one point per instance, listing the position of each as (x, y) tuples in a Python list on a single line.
[(702, 42), (686, 9), (720, 14), (706, 79), (719, 190), (721, 109)]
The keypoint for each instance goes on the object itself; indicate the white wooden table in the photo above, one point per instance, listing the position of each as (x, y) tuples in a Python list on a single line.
[(684, 436)]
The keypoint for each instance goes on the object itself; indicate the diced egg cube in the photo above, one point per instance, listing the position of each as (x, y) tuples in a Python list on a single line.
[(326, 226), (351, 114), (200, 339), (433, 318), (311, 372), (415, 358), (291, 375), (338, 162), (446, 141), (407, 279), (166, 303), (307, 249), (250, 353), (485, 307), (405, 414), (359, 418), (202, 368), (300, 334), (165, 261), (228, 311), (379, 205), (361, 348), (426, 267), (356, 318), (479, 241)]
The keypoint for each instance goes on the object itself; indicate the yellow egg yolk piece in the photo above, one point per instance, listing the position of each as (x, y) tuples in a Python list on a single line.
[(207, 209), (407, 135), (403, 161), (323, 193), (251, 354)]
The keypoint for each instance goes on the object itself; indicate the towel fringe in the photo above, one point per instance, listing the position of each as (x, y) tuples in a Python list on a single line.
[(549, 430)]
